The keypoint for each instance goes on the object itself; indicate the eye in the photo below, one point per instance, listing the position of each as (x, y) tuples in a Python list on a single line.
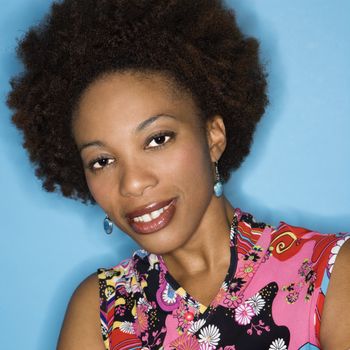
[(100, 163), (160, 139)]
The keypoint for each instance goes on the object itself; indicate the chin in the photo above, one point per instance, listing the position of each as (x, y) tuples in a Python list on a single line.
[(161, 242), (158, 245)]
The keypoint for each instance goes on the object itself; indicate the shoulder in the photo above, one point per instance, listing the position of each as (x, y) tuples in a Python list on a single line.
[(319, 250), (329, 257), (125, 271), (292, 240), (81, 325), (121, 281), (335, 322)]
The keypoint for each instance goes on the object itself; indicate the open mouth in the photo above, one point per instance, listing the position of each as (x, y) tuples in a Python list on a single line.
[(152, 215), (153, 218)]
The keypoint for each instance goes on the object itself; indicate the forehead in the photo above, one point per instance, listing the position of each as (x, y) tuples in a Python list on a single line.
[(130, 97)]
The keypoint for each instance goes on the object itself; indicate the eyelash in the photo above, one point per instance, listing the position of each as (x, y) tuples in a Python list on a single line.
[(98, 159), (169, 134)]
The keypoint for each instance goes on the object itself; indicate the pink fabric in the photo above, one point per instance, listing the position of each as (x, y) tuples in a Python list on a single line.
[(272, 296)]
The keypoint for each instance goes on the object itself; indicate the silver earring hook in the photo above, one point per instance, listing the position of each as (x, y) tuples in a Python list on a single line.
[(218, 186)]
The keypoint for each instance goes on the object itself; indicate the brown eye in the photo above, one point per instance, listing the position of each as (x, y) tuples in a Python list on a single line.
[(159, 140), (101, 163)]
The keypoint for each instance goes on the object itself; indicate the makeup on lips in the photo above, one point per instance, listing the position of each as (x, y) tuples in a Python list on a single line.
[(153, 217)]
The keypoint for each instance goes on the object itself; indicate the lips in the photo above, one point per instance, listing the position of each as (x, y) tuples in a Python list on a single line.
[(153, 217)]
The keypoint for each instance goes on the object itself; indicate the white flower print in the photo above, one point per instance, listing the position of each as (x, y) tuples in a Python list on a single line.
[(144, 302), (109, 273), (109, 291), (141, 253), (256, 302), (192, 303), (128, 287), (244, 314), (210, 335), (196, 326), (136, 288), (169, 295), (335, 251), (104, 330), (205, 346), (127, 327), (278, 344), (153, 262)]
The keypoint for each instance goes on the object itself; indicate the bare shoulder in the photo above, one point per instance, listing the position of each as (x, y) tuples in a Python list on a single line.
[(335, 323), (81, 325)]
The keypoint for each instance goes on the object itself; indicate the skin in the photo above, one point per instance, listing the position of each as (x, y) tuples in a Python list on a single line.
[(135, 171)]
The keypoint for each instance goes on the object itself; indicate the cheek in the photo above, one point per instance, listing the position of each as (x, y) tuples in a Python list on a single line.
[(189, 166), (99, 188)]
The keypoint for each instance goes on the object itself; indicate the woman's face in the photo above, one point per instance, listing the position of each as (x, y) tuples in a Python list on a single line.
[(147, 158)]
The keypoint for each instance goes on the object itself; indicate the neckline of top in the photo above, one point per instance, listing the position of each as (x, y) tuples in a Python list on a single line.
[(236, 238), (178, 289)]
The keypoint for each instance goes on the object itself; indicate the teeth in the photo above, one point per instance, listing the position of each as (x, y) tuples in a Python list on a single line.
[(146, 218), (153, 215), (156, 213)]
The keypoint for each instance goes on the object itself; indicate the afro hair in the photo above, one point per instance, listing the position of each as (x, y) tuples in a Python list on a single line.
[(197, 43)]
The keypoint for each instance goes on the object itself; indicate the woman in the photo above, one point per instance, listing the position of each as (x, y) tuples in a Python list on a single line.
[(145, 107)]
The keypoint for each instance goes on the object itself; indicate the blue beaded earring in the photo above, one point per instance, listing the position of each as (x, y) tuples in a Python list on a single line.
[(108, 225), (218, 186)]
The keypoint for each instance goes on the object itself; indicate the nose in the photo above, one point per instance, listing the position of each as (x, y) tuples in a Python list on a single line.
[(136, 178)]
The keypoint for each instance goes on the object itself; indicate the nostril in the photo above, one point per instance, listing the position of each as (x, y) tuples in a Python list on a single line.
[(137, 182)]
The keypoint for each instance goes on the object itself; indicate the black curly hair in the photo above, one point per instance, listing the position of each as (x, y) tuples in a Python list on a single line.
[(195, 42)]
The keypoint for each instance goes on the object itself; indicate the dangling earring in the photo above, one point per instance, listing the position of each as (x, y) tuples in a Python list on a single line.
[(108, 225), (218, 186)]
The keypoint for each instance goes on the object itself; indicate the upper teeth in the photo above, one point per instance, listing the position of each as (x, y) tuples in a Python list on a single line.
[(151, 216)]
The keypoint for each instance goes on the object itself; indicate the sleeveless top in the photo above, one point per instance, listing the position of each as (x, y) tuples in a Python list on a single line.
[(272, 296)]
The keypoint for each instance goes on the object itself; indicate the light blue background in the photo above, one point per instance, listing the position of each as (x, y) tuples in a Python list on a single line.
[(298, 170)]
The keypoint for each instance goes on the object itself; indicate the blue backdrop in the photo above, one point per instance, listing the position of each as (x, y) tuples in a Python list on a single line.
[(298, 170)]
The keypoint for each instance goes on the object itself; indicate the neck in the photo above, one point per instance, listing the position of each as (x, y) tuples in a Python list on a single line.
[(208, 247)]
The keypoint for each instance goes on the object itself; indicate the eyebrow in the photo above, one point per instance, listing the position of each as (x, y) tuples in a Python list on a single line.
[(143, 125), (90, 144)]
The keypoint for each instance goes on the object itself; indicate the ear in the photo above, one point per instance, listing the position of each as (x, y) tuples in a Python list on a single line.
[(216, 136)]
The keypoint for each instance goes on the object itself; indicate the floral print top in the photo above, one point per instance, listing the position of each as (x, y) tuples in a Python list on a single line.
[(271, 298)]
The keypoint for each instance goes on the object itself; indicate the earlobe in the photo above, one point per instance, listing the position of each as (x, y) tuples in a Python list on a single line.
[(216, 135)]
